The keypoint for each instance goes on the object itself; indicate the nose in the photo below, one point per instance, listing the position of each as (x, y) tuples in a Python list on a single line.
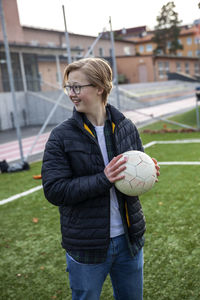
[(71, 92)]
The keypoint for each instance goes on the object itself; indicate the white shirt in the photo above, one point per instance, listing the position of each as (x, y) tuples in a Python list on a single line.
[(116, 226)]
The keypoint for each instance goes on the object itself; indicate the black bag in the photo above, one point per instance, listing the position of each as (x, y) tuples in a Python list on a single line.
[(6, 168)]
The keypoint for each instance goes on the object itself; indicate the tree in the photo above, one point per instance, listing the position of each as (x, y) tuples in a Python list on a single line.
[(167, 30)]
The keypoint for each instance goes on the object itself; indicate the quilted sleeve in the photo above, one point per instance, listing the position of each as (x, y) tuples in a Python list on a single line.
[(60, 187)]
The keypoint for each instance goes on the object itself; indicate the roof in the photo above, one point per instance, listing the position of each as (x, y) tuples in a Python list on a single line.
[(105, 36), (54, 31), (131, 31)]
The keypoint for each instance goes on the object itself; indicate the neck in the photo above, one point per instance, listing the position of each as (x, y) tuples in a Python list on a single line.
[(97, 118)]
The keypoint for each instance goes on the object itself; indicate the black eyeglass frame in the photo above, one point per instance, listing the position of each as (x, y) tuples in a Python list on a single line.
[(68, 88)]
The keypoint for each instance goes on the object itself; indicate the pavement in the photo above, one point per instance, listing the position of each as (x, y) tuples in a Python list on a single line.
[(147, 115), (9, 146)]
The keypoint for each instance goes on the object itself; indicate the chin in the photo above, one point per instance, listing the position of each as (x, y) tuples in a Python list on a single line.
[(79, 109)]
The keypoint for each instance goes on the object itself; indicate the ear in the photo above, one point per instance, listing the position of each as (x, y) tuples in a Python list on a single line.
[(100, 91)]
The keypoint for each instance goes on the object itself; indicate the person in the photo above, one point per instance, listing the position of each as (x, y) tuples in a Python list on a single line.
[(102, 229)]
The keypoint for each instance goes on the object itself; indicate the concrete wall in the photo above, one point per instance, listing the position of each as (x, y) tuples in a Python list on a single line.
[(32, 110), (39, 109), (7, 111)]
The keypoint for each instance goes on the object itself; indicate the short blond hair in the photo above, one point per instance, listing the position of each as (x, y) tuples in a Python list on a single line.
[(97, 71)]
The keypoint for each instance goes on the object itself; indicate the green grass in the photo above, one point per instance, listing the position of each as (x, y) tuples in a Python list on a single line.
[(175, 152), (32, 264), (13, 183)]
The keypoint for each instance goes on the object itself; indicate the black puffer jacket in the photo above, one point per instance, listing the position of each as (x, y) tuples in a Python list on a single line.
[(73, 178)]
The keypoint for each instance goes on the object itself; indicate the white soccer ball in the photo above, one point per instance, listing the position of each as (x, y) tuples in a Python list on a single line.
[(140, 174)]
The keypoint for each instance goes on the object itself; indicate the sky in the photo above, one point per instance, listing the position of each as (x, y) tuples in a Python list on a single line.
[(90, 17)]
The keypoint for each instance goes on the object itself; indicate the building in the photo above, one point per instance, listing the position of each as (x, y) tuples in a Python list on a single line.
[(39, 56), (142, 38), (147, 67)]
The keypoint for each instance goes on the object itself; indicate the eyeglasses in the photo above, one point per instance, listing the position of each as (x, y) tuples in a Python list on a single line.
[(75, 88)]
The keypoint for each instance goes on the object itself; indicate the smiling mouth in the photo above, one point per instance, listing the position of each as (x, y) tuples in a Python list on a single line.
[(76, 101)]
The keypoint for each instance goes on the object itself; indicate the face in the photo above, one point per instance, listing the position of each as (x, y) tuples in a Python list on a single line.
[(89, 99)]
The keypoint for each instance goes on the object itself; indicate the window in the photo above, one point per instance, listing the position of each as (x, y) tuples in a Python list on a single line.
[(149, 48), (179, 41), (178, 67), (197, 53), (101, 51), (51, 44), (91, 51), (4, 77), (160, 70), (166, 66), (168, 45), (34, 43), (196, 68), (187, 69), (141, 49), (197, 40), (189, 53), (79, 50), (189, 41), (127, 50), (163, 69)]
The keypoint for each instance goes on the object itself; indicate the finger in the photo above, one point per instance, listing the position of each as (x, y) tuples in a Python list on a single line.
[(119, 178), (115, 159), (154, 160), (157, 167), (118, 164), (116, 178), (118, 171)]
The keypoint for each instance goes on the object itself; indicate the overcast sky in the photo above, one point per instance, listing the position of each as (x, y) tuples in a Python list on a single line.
[(90, 17)]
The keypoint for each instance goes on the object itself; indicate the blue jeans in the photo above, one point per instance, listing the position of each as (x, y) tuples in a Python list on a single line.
[(126, 273)]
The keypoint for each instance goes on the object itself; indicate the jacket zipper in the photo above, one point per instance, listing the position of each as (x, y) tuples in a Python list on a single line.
[(93, 139)]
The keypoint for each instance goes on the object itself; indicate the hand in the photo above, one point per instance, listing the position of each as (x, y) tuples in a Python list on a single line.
[(115, 167), (157, 167)]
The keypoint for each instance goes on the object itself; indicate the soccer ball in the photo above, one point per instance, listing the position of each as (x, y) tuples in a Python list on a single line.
[(140, 174)]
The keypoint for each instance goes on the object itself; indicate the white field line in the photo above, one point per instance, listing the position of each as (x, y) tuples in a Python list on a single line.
[(179, 141), (178, 163), (149, 144), (190, 163), (172, 142), (12, 198)]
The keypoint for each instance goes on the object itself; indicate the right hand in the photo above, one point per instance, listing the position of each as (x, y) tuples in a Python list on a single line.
[(114, 168)]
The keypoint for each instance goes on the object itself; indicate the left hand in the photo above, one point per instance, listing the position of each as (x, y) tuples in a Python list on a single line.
[(157, 167)]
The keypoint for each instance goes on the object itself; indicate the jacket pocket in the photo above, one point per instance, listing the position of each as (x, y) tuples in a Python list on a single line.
[(79, 156)]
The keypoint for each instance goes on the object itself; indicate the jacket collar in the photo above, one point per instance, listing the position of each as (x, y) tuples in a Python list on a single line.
[(113, 115), (116, 115)]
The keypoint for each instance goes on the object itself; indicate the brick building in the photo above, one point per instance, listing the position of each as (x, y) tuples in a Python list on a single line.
[(146, 67)]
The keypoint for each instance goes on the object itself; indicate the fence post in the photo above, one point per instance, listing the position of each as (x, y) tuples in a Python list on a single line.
[(11, 80)]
